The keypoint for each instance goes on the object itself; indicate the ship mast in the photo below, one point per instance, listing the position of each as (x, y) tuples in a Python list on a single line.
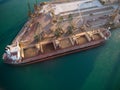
[(35, 5), (29, 9)]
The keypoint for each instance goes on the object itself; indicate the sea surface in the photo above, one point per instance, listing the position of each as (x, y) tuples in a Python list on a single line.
[(94, 69)]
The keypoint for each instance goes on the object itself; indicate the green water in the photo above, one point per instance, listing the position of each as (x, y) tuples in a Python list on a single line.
[(95, 69)]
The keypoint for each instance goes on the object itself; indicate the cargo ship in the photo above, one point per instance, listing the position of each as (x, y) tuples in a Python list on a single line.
[(58, 28)]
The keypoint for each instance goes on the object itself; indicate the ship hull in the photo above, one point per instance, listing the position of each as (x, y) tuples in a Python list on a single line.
[(69, 51), (49, 33)]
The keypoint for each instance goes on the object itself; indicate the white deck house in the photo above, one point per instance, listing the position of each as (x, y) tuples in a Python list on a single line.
[(13, 52)]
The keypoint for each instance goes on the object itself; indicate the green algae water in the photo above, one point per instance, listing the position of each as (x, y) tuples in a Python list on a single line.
[(94, 69)]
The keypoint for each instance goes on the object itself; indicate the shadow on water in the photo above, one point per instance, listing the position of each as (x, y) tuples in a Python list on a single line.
[(64, 73), (113, 75)]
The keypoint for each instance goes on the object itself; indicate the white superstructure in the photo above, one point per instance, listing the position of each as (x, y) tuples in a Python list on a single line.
[(13, 52)]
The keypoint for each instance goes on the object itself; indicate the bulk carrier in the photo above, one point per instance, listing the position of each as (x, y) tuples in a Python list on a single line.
[(59, 28)]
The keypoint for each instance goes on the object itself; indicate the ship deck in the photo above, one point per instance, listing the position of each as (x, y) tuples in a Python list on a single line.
[(55, 33)]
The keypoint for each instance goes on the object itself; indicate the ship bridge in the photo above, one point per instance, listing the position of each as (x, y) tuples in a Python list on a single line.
[(13, 52)]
